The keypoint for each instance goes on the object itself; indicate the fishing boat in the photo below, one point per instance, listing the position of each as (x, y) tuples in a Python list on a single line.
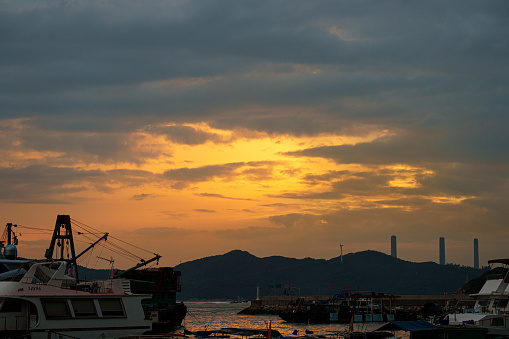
[(162, 284), (49, 301), (46, 298)]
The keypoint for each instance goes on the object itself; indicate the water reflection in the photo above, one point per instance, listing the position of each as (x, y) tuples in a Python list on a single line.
[(214, 316)]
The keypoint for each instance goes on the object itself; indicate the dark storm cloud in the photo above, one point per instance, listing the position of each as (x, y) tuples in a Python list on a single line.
[(203, 210), (101, 147), (183, 177), (420, 147), (203, 173), (142, 196), (42, 184), (220, 196), (50, 185), (86, 57), (433, 74), (185, 134)]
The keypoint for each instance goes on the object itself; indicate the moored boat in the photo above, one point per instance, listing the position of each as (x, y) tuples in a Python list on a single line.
[(162, 283), (46, 298), (343, 308), (47, 303), (492, 299)]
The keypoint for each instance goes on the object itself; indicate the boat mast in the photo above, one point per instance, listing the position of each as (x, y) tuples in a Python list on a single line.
[(10, 233), (59, 238)]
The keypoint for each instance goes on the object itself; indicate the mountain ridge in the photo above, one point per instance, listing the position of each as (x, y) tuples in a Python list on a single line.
[(238, 273)]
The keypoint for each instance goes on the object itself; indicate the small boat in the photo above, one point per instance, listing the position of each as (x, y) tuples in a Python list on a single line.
[(239, 300)]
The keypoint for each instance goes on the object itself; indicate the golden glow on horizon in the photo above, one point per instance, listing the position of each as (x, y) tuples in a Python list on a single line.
[(226, 181), (262, 175)]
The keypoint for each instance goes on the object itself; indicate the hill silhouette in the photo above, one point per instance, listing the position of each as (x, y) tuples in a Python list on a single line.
[(238, 273)]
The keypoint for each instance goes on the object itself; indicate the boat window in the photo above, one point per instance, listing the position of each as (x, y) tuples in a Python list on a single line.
[(83, 308), (502, 303), (56, 308), (497, 322), (111, 307), (11, 305), (484, 302)]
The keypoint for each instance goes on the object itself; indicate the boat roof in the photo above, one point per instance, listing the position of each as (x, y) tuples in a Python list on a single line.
[(489, 287), (499, 261)]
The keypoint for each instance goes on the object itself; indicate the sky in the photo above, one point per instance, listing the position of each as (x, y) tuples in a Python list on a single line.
[(193, 128)]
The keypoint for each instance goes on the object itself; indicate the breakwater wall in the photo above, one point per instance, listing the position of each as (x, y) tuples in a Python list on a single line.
[(276, 304)]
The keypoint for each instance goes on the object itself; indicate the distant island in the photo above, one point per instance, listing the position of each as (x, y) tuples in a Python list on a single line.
[(237, 274)]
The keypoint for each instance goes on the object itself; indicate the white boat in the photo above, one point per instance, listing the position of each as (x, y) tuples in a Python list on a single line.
[(48, 301), (491, 300)]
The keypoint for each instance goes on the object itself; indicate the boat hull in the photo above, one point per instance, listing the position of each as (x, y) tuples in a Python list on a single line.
[(168, 318)]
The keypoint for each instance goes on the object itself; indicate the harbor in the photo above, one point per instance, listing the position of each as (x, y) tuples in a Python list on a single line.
[(47, 299), (277, 304)]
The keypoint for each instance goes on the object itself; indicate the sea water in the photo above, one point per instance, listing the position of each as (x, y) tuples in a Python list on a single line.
[(216, 315)]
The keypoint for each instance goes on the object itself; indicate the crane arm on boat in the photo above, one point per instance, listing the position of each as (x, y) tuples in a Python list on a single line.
[(143, 263), (104, 237)]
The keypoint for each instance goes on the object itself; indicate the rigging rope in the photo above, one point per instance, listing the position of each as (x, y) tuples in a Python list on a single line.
[(90, 235)]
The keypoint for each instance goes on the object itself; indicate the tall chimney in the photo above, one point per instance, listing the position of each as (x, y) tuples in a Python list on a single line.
[(476, 253), (442, 250), (394, 250)]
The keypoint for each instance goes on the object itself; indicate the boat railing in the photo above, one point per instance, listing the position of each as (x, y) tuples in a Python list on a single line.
[(96, 287), (50, 334), (17, 322)]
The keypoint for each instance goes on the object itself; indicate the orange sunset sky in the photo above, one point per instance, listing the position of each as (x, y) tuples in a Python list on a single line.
[(280, 128)]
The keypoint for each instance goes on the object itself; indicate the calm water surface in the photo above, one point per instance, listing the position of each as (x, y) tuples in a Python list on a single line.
[(214, 316)]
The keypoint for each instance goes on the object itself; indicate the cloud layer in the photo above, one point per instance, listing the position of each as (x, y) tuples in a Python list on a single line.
[(289, 121)]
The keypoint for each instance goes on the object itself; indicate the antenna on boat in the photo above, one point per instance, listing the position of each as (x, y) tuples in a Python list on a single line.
[(111, 261), (9, 251)]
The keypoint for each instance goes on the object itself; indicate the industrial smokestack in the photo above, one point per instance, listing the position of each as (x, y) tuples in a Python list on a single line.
[(442, 250), (476, 253), (394, 250)]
